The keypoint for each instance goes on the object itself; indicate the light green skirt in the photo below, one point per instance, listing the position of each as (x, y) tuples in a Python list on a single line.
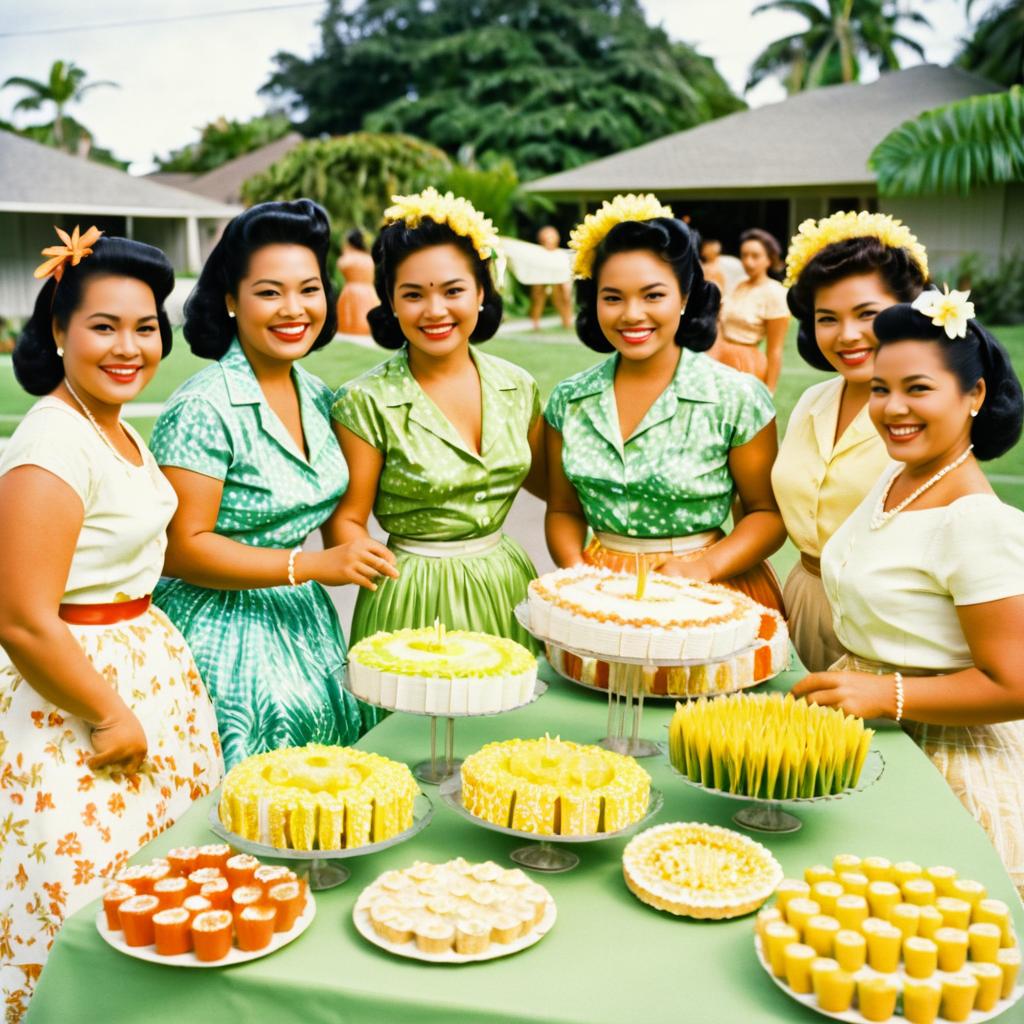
[(477, 592)]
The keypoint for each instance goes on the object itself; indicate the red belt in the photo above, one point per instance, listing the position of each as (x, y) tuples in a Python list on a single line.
[(103, 614)]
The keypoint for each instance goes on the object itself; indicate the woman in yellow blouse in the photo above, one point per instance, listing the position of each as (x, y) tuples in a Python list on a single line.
[(754, 311), (842, 271)]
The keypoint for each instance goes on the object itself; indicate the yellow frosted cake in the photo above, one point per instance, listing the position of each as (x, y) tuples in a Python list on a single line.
[(554, 787), (433, 671), (696, 870), (455, 907), (317, 798)]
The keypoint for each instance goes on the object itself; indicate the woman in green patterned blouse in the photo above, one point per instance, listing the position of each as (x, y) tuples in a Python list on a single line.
[(647, 448), (247, 445), (440, 437)]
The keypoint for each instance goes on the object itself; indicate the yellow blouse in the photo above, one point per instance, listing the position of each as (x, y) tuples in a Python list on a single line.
[(818, 482), (748, 307)]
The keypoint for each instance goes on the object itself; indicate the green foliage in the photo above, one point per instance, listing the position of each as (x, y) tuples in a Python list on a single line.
[(548, 84), (352, 176), (496, 190), (223, 140), (955, 148), (996, 50), (839, 34), (997, 292)]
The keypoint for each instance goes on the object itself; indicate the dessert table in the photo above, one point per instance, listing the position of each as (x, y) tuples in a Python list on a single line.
[(609, 958)]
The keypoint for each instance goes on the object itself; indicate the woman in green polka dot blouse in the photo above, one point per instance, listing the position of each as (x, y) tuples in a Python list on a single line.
[(440, 437), (647, 448), (247, 445)]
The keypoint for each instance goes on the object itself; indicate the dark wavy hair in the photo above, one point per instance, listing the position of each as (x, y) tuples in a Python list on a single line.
[(979, 356), (768, 242), (902, 277), (208, 328), (672, 241), (397, 242), (37, 366)]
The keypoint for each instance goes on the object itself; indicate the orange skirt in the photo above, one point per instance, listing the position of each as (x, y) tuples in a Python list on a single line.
[(356, 300), (746, 358)]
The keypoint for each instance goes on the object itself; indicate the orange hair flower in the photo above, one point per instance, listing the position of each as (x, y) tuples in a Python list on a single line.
[(75, 249)]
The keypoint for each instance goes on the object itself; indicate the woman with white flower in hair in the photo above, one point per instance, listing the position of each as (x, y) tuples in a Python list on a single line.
[(439, 438), (926, 577)]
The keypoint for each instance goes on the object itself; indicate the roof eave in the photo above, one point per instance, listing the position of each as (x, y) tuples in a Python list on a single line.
[(211, 212)]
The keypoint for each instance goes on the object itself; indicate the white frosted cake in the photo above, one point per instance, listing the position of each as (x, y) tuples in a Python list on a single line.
[(433, 671), (675, 619)]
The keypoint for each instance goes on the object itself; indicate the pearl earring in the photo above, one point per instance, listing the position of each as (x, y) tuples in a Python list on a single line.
[(974, 412), (60, 352), (481, 307), (231, 313)]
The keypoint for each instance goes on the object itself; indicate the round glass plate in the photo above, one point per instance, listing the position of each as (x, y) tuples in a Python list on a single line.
[(235, 955), (539, 689), (542, 854), (316, 863), (764, 815)]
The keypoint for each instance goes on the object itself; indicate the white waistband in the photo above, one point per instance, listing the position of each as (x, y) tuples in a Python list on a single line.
[(446, 548), (655, 545)]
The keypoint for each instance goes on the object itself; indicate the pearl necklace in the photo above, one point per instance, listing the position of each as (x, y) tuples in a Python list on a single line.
[(99, 430), (881, 516)]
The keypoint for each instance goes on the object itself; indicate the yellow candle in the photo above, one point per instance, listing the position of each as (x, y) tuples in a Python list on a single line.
[(851, 950), (876, 998), (956, 913), (995, 912), (882, 897), (825, 895), (833, 987), (942, 877), (820, 934), (778, 935), (878, 869), (884, 944), (819, 873), (920, 891), (851, 911), (952, 943), (845, 862), (921, 999), (920, 957), (968, 889), (958, 992), (1009, 963), (788, 889), (854, 882), (798, 966), (799, 911), (929, 922), (904, 870), (990, 985), (907, 918), (983, 941)]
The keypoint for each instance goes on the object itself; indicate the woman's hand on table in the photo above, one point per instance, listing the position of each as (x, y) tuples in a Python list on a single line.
[(119, 742), (696, 568), (360, 561), (857, 693)]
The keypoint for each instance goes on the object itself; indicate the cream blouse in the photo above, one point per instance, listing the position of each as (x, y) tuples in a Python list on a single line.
[(748, 307), (817, 481), (120, 550), (894, 591)]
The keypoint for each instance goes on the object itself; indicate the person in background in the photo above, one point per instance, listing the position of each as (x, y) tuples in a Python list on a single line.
[(357, 295), (710, 261), (561, 294)]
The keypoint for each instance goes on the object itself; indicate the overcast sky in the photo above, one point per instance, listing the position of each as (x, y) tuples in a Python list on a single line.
[(209, 57)]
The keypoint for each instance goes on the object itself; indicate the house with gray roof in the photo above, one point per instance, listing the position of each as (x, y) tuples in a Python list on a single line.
[(41, 186), (807, 156)]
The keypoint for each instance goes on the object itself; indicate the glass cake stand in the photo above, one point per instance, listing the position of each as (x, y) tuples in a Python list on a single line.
[(320, 866), (764, 815), (435, 770), (543, 854)]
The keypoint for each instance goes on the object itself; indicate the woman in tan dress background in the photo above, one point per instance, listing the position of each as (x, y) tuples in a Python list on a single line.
[(358, 297)]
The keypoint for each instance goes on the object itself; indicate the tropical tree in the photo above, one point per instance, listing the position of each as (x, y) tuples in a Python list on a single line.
[(223, 140), (547, 83), (996, 49), (66, 85), (838, 36)]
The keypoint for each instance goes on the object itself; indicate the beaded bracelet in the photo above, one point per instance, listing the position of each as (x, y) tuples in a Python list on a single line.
[(899, 696), (291, 566)]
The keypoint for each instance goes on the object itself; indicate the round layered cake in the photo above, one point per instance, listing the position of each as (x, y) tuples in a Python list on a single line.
[(696, 870), (668, 618), (317, 798), (431, 671), (554, 787)]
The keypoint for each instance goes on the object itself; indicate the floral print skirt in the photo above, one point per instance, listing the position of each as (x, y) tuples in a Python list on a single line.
[(65, 828)]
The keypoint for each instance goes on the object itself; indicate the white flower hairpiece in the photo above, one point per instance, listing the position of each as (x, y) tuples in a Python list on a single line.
[(947, 309)]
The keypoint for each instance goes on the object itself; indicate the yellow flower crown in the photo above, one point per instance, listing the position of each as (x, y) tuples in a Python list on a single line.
[(458, 213), (586, 237), (812, 236)]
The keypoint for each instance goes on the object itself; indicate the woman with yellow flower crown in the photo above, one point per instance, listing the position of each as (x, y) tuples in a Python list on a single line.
[(842, 271), (647, 448), (439, 438), (926, 576), (106, 732)]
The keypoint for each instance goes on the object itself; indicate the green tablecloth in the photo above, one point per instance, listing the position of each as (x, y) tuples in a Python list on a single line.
[(608, 958)]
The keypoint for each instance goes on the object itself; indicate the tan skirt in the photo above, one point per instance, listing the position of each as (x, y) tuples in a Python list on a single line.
[(982, 764), (810, 620), (747, 358)]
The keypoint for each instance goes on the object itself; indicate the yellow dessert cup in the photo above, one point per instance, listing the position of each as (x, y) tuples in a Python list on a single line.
[(819, 873), (942, 877), (952, 943), (854, 882), (876, 998), (851, 911), (929, 922), (882, 897), (970, 890), (904, 870), (995, 912), (790, 888), (820, 933), (777, 936), (851, 950), (833, 987), (921, 1000), (907, 918), (958, 992), (798, 957), (983, 941), (765, 917), (799, 911), (878, 869), (884, 946), (990, 985), (825, 894), (845, 862), (920, 957), (1008, 960), (919, 891), (956, 913)]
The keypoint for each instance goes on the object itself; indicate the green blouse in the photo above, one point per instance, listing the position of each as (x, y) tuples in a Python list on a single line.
[(219, 423), (671, 477), (432, 487)]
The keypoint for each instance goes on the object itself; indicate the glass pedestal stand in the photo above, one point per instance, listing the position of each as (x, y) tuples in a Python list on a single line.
[(321, 867), (544, 853)]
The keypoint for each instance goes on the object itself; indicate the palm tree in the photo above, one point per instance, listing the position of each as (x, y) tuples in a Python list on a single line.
[(66, 85), (996, 50), (838, 34)]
